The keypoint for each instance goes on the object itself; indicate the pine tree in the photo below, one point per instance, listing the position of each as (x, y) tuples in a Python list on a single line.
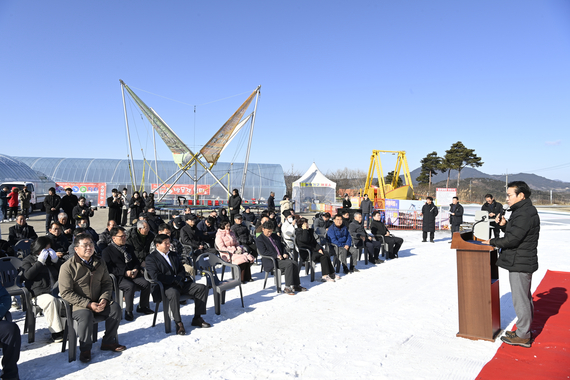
[(431, 164), (457, 158), (389, 178)]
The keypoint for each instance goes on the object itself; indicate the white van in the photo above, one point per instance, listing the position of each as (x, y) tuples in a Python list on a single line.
[(39, 191)]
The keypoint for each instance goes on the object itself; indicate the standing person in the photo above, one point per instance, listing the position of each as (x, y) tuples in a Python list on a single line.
[(149, 202), (519, 256), (52, 204), (125, 207), (271, 202), (346, 203), (13, 201), (429, 212), (494, 208), (82, 212), (4, 203), (234, 204), (455, 215), (10, 339), (25, 196), (68, 202), (136, 205), (367, 208), (115, 204), (85, 283), (285, 204)]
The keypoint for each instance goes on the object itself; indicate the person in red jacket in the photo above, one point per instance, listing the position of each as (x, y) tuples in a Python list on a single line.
[(13, 203)]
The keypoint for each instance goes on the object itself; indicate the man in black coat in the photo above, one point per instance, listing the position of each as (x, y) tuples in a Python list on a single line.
[(21, 231), (271, 202), (68, 202), (367, 208), (166, 267), (360, 239), (140, 238), (494, 208), (59, 242), (243, 234), (208, 230), (519, 255), (455, 215), (269, 244), (123, 263), (115, 205), (234, 204), (249, 216), (429, 212), (153, 220), (52, 204), (82, 212), (381, 233), (191, 237)]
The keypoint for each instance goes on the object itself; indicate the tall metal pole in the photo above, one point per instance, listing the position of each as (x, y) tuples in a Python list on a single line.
[(249, 142), (133, 175)]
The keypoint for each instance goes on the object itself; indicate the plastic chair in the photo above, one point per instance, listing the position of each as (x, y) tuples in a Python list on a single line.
[(207, 263), (309, 263), (165, 308), (275, 271), (23, 246), (117, 293), (70, 334), (11, 279)]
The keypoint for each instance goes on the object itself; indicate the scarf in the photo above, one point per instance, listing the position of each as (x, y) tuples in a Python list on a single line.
[(123, 250)]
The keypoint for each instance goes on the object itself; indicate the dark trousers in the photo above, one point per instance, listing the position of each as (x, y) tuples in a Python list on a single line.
[(431, 235), (198, 292), (26, 210), (373, 249), (394, 244), (366, 219), (232, 216), (5, 210), (291, 271), (13, 211), (10, 341), (84, 318), (245, 269), (325, 260), (454, 228), (124, 220), (496, 230), (129, 286), (49, 219), (343, 255)]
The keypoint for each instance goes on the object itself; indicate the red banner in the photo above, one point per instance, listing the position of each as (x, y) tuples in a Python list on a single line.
[(95, 192), (182, 189)]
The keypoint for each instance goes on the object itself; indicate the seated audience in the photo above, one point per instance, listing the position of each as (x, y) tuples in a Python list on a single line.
[(105, 236), (223, 217), (269, 244), (10, 339), (124, 264), (21, 231), (165, 266), (305, 238), (207, 228), (324, 221), (288, 230), (243, 235), (59, 243), (232, 252), (140, 238), (346, 218), (153, 219), (82, 223), (259, 228), (67, 226), (41, 270), (341, 240), (360, 239), (378, 229), (191, 237), (249, 216), (176, 247), (84, 282)]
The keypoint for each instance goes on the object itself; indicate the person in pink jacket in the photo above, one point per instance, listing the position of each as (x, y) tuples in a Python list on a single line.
[(231, 252)]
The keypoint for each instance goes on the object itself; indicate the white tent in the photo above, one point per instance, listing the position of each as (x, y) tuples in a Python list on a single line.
[(313, 191)]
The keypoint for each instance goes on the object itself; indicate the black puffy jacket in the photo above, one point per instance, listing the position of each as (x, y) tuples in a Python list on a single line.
[(519, 245)]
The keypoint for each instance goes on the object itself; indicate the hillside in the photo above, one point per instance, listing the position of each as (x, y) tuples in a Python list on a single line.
[(535, 182)]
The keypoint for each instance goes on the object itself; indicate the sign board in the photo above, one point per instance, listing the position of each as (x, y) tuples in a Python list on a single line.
[(95, 192), (443, 196), (182, 189)]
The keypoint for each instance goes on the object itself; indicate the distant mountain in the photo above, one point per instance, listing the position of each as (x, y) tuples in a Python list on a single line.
[(534, 181)]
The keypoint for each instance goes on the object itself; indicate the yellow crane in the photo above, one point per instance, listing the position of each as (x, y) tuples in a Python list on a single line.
[(391, 190)]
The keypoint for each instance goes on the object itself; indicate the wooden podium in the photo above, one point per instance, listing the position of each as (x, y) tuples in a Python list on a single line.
[(477, 288)]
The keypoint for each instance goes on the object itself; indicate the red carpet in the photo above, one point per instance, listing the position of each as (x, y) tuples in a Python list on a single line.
[(549, 356)]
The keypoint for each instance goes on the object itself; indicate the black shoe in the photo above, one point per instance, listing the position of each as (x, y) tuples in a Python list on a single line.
[(144, 310), (345, 269), (129, 316), (85, 356), (299, 288), (199, 322), (180, 329), (57, 337), (424, 241), (353, 269), (431, 241)]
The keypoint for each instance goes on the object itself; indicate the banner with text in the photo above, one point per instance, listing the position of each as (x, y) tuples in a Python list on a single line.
[(95, 192), (181, 189)]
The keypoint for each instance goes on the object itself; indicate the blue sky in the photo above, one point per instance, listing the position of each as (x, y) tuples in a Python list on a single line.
[(338, 78)]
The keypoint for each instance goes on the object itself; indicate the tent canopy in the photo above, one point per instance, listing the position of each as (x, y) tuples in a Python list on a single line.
[(312, 190)]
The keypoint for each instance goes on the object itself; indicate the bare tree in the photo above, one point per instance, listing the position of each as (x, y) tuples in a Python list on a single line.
[(291, 175)]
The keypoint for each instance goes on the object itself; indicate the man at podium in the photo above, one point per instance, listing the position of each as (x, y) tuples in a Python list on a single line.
[(519, 256)]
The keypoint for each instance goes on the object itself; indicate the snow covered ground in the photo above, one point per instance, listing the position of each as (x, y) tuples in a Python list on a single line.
[(397, 320)]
